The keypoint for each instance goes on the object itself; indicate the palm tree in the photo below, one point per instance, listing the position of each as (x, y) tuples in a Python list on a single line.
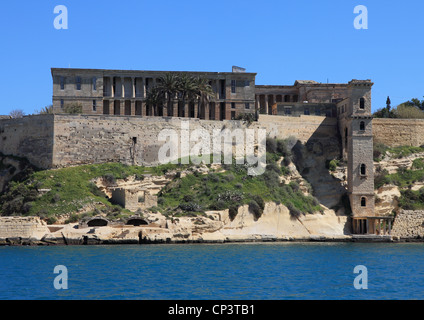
[(186, 89), (155, 99), (168, 88), (204, 94)]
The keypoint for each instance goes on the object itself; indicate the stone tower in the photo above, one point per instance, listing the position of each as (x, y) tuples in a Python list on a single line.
[(358, 126)]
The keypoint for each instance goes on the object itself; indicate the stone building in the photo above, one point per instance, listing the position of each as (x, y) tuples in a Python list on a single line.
[(117, 125), (123, 92)]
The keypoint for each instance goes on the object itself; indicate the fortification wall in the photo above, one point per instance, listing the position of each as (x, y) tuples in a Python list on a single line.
[(50, 141), (22, 227), (409, 224), (399, 132), (303, 128), (29, 137)]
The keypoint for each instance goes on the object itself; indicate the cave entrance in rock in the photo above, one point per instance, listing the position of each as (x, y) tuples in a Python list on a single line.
[(97, 222), (137, 222)]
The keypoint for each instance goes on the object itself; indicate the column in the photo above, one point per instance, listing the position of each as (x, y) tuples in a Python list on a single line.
[(133, 86), (390, 227), (217, 89), (266, 104), (143, 88), (143, 109), (112, 92), (186, 115), (206, 110), (257, 102), (122, 87)]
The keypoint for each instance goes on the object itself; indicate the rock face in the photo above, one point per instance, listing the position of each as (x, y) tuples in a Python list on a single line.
[(275, 224)]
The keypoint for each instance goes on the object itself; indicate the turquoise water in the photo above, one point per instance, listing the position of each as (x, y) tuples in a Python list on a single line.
[(214, 272)]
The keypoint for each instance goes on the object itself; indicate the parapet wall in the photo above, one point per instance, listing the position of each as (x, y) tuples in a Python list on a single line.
[(399, 132), (409, 224)]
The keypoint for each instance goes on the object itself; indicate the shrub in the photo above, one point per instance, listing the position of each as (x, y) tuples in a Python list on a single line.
[(255, 209), (218, 205), (332, 165), (190, 207), (73, 108), (188, 198), (294, 212), (232, 212)]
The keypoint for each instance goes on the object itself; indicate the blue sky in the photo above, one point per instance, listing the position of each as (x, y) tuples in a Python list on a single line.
[(282, 41)]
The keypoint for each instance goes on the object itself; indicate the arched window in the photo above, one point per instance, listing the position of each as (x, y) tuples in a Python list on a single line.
[(363, 202), (363, 169), (362, 103), (362, 126)]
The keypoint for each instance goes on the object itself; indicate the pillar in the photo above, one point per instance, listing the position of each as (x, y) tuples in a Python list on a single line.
[(266, 104), (122, 87), (133, 87)]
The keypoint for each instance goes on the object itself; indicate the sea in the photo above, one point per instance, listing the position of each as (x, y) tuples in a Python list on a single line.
[(238, 271)]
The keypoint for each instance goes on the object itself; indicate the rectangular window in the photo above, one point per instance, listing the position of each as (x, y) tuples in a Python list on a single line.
[(94, 84), (94, 105), (233, 115), (62, 103), (287, 111), (317, 112), (247, 105), (78, 83), (306, 112), (62, 83), (233, 86), (233, 105), (247, 83)]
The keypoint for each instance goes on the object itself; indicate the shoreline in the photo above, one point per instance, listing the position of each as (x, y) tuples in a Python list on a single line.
[(22, 242)]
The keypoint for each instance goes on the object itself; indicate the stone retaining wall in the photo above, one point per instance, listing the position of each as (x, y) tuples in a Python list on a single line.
[(22, 227), (399, 132), (409, 224)]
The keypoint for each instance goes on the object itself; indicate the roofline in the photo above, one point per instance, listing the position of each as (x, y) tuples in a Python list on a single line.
[(150, 71)]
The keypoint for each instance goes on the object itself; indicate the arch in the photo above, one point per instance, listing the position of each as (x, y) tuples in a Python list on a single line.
[(97, 222), (362, 103), (363, 169), (136, 222), (362, 126), (363, 202)]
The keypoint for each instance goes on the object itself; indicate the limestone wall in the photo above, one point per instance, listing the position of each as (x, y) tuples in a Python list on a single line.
[(29, 137), (409, 224), (50, 141), (399, 132), (22, 227)]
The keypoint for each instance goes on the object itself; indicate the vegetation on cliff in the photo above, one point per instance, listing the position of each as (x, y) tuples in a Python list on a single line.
[(232, 188), (50, 194), (408, 180)]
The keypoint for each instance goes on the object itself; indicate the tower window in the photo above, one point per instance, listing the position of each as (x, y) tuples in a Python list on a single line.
[(362, 126), (363, 169), (247, 105), (94, 84), (363, 202), (94, 105), (233, 105), (62, 83), (62, 102), (362, 103), (306, 111)]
